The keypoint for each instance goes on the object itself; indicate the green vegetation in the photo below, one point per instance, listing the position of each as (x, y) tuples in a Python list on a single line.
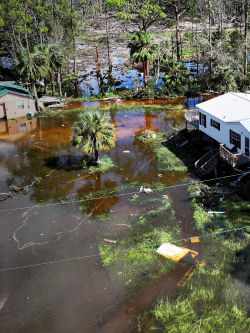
[(94, 132), (134, 198), (131, 270), (104, 165), (171, 157), (222, 51), (215, 299), (212, 301)]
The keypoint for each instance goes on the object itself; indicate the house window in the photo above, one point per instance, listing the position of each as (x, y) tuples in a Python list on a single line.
[(215, 124), (203, 120), (235, 139), (23, 127), (20, 105)]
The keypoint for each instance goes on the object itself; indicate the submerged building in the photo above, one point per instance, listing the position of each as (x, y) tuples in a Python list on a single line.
[(15, 101)]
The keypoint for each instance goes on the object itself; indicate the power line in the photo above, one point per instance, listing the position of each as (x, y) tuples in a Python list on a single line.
[(122, 194), (119, 251)]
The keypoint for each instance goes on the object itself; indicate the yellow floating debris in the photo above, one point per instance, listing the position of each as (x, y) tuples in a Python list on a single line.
[(174, 252), (126, 151), (123, 225), (110, 240), (187, 276), (195, 240), (148, 190)]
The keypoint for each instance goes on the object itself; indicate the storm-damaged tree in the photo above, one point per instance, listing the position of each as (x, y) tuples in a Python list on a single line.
[(93, 132), (32, 65), (140, 51)]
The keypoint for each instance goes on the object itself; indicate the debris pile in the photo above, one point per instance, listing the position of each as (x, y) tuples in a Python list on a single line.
[(24, 189)]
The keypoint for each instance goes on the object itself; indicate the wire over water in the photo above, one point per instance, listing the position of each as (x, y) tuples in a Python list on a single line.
[(122, 194), (119, 251)]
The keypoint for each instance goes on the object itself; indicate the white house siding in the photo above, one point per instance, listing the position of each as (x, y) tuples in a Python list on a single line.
[(9, 101), (223, 136)]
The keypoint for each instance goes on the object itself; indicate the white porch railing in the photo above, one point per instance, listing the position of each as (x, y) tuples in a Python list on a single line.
[(234, 159)]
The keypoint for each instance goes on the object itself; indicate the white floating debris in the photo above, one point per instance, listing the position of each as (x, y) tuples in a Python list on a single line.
[(145, 190)]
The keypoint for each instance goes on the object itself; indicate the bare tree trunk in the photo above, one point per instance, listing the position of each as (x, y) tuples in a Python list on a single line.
[(74, 46), (59, 81), (177, 39), (246, 31), (33, 87), (173, 47), (99, 72), (210, 39), (110, 67), (100, 5), (26, 36)]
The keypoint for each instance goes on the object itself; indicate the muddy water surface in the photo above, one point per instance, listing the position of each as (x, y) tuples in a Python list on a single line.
[(76, 295)]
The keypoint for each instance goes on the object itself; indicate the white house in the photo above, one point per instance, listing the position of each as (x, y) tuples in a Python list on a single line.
[(226, 119)]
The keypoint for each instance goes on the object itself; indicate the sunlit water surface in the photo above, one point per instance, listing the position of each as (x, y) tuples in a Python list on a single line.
[(77, 295)]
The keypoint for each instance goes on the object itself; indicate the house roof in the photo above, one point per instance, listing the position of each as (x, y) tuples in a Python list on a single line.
[(230, 107), (246, 124), (14, 88)]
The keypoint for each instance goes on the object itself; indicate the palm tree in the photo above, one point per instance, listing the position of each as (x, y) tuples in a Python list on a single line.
[(141, 52), (32, 65), (93, 132), (177, 76), (55, 60)]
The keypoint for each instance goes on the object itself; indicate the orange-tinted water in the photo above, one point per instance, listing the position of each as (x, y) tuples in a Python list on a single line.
[(72, 296)]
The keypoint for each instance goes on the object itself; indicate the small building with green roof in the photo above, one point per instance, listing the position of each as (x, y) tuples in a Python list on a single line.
[(15, 101)]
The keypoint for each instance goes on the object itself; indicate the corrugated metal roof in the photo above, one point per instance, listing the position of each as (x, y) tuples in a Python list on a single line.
[(231, 107), (15, 89), (246, 124), (6, 83)]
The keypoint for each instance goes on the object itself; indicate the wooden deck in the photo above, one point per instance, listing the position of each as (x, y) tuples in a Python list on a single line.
[(192, 118), (234, 159)]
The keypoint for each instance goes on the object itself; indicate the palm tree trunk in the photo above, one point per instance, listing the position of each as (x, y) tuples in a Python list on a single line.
[(177, 39), (97, 156), (96, 151), (45, 87), (33, 87), (144, 66), (52, 84), (59, 81)]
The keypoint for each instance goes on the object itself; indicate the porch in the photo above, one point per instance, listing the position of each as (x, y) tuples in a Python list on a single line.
[(192, 118), (234, 159)]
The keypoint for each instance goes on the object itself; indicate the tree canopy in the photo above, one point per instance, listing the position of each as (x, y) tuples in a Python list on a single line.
[(93, 132)]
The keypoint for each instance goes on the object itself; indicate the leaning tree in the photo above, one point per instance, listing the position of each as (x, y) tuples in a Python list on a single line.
[(32, 65)]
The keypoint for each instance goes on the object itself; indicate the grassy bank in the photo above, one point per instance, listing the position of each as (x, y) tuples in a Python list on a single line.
[(172, 158), (216, 299), (212, 302)]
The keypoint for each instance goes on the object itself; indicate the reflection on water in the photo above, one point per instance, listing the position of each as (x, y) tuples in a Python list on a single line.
[(188, 102), (16, 127), (73, 296)]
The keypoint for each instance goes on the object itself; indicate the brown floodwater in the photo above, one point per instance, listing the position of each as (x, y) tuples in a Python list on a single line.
[(189, 102), (74, 296)]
